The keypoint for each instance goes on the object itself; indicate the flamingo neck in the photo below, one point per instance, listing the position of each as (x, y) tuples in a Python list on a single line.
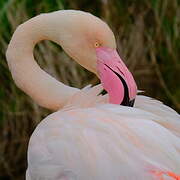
[(44, 89)]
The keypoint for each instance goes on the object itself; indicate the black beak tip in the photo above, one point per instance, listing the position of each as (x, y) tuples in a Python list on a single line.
[(131, 103)]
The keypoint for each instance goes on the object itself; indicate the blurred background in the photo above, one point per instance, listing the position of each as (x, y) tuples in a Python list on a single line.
[(148, 38)]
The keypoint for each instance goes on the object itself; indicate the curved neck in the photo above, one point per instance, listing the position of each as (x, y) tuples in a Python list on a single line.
[(44, 89)]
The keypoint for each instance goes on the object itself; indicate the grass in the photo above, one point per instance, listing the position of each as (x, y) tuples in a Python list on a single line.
[(148, 39)]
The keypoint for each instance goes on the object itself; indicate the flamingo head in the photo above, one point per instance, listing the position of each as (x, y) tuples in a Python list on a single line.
[(93, 46)]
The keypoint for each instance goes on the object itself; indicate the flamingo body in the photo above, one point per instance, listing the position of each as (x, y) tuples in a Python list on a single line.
[(103, 141)]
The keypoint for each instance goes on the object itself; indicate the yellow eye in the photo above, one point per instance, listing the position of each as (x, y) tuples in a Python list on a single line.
[(96, 45)]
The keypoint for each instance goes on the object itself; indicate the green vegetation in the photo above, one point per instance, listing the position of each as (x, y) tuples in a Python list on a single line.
[(148, 38)]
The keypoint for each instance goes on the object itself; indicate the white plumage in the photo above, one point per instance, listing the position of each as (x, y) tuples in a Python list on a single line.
[(102, 141)]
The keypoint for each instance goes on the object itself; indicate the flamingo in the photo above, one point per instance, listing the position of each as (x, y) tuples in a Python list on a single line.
[(89, 136)]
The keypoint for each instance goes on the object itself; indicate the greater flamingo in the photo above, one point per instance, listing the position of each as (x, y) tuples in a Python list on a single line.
[(89, 138)]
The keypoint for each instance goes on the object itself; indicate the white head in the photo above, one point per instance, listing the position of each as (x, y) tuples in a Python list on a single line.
[(80, 33)]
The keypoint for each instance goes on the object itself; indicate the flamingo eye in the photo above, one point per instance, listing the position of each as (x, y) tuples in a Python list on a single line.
[(96, 44)]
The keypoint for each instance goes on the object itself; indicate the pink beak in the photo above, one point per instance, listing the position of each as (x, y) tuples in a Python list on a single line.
[(115, 77)]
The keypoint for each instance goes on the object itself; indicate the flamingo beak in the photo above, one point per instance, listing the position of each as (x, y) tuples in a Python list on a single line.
[(115, 77)]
